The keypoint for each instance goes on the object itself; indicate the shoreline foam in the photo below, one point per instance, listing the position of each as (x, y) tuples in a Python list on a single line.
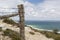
[(41, 29)]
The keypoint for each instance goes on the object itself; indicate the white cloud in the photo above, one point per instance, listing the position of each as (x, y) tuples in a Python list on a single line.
[(9, 4), (47, 10)]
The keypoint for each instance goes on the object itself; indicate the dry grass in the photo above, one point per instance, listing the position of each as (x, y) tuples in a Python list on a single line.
[(49, 34), (12, 34), (9, 21)]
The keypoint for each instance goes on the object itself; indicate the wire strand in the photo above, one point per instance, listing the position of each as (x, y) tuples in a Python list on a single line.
[(8, 8)]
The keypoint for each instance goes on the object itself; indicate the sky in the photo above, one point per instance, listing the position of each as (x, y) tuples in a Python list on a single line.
[(35, 1), (35, 9)]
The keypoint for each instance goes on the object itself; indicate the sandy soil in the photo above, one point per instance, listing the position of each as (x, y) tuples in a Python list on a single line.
[(28, 36), (36, 36)]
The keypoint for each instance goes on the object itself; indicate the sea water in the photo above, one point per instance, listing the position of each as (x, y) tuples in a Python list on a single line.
[(49, 25)]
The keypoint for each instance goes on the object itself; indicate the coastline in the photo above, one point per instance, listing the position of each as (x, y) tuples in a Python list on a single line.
[(41, 29), (28, 31)]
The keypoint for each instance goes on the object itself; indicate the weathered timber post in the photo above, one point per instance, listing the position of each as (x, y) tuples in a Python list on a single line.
[(21, 22)]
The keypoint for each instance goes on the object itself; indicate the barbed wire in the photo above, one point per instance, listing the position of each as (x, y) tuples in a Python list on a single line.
[(8, 8), (8, 11)]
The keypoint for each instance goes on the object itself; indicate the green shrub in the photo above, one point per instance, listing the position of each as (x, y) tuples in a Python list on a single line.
[(32, 33), (57, 38), (12, 34), (55, 31), (9, 21), (0, 28), (51, 34), (48, 35), (43, 32)]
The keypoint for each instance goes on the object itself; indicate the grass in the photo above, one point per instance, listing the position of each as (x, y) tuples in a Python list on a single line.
[(55, 31), (15, 36), (12, 34), (48, 34), (0, 28), (32, 33), (52, 35), (9, 21)]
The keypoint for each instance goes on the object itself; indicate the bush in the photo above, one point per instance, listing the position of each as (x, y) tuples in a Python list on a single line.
[(9, 21), (48, 35), (0, 28), (32, 33), (57, 38), (55, 31), (51, 34), (12, 34)]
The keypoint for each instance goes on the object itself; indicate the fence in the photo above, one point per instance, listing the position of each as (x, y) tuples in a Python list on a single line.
[(21, 16)]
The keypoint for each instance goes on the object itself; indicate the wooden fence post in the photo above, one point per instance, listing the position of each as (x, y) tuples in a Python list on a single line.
[(21, 22)]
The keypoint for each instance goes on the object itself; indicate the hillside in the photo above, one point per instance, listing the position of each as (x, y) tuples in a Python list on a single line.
[(29, 33)]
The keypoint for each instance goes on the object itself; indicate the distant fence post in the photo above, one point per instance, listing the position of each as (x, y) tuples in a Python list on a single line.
[(21, 22)]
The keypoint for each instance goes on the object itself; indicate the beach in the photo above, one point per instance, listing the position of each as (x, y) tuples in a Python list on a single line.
[(28, 35)]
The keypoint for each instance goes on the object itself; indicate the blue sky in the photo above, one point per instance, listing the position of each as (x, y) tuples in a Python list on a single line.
[(43, 9), (35, 1), (35, 9)]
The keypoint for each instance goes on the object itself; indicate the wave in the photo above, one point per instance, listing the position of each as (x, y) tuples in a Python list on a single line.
[(41, 29)]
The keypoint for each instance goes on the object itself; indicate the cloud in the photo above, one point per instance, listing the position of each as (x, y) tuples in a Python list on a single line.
[(9, 4), (47, 10)]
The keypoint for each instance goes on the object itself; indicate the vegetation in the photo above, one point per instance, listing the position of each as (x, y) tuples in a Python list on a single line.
[(48, 34), (52, 35), (55, 31), (12, 34), (0, 28), (32, 33), (9, 21)]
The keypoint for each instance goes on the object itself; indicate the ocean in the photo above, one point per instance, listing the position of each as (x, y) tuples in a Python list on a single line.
[(48, 25)]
